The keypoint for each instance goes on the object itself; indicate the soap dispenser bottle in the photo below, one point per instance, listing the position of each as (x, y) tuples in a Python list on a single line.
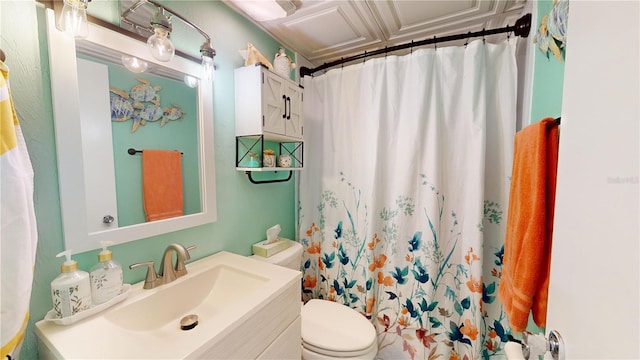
[(70, 291), (106, 276)]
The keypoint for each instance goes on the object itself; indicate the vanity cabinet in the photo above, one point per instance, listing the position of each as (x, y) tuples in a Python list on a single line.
[(267, 104), (247, 309)]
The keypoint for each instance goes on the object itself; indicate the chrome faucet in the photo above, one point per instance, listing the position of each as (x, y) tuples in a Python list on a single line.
[(168, 272)]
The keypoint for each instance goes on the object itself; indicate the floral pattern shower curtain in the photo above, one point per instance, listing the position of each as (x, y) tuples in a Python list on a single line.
[(404, 193)]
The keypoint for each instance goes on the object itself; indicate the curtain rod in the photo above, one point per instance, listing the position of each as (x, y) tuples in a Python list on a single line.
[(520, 28)]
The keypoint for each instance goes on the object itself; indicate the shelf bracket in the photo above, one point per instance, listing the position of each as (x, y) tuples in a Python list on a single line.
[(253, 181)]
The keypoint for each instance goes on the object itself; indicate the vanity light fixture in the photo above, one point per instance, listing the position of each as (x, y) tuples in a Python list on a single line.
[(134, 64), (73, 18), (207, 53), (160, 44)]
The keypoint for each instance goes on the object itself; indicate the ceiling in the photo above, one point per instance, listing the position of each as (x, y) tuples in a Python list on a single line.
[(326, 30)]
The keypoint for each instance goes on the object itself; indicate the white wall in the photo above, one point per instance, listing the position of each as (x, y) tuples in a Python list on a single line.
[(594, 289)]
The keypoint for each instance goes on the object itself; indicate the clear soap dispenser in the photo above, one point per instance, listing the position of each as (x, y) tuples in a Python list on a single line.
[(70, 291), (106, 276)]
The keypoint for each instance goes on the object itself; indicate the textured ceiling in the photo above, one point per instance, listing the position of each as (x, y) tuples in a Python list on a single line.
[(326, 30)]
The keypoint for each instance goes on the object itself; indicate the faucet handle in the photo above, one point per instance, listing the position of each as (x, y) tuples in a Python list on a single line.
[(152, 279), (180, 269)]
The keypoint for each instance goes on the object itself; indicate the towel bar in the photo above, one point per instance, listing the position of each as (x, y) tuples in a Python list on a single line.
[(253, 181), (133, 151)]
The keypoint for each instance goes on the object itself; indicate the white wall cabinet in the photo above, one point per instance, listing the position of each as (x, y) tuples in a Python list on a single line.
[(268, 108), (267, 104)]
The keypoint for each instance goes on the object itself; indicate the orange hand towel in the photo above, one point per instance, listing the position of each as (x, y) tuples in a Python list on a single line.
[(162, 184), (527, 249)]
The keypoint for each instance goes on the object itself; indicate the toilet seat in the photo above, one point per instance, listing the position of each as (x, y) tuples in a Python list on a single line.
[(320, 353), (335, 330)]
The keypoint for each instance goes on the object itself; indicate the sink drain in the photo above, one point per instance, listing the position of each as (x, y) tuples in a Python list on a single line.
[(188, 322)]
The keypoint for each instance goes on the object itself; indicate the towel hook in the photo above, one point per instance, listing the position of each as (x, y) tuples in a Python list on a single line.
[(554, 344)]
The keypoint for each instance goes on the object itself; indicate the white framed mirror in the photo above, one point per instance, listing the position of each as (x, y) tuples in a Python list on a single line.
[(88, 151)]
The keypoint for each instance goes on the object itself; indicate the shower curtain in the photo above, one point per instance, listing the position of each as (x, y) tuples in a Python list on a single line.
[(404, 193)]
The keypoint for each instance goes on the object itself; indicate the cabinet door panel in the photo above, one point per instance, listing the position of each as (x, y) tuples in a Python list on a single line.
[(267, 104), (293, 123), (273, 104)]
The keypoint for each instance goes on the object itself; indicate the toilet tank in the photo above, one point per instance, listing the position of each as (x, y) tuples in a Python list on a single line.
[(290, 258)]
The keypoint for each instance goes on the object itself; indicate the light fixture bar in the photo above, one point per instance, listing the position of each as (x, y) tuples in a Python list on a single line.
[(139, 3), (161, 27), (138, 28)]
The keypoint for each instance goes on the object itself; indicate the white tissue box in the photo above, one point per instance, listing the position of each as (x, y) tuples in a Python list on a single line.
[(267, 250)]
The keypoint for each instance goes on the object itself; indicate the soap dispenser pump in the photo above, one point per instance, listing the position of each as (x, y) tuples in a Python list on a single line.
[(106, 276), (70, 291)]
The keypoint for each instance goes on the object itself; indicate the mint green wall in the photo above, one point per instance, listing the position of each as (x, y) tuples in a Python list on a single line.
[(245, 210), (548, 76)]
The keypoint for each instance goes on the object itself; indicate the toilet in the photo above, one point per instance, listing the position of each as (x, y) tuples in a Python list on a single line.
[(329, 330)]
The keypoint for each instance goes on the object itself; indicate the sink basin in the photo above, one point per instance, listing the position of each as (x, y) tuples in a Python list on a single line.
[(206, 295), (231, 295)]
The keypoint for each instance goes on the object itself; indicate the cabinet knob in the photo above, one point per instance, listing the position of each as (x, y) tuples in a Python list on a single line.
[(108, 219)]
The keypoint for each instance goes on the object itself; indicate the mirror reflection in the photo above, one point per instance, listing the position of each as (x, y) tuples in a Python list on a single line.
[(150, 112), (102, 109)]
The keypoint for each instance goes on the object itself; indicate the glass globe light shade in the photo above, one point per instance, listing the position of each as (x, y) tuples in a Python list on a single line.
[(73, 18), (160, 46), (134, 64), (190, 81), (208, 69)]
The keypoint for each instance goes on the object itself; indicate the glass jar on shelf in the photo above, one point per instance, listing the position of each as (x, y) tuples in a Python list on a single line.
[(254, 160)]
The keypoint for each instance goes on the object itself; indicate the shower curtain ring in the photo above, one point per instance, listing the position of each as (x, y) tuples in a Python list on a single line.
[(364, 58), (411, 48), (435, 43), (466, 42), (484, 40), (385, 51), (341, 62)]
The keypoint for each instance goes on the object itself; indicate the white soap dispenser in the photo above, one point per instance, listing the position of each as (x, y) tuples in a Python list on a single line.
[(106, 276), (70, 291)]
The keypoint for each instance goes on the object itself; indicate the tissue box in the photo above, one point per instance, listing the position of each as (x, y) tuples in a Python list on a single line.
[(267, 250)]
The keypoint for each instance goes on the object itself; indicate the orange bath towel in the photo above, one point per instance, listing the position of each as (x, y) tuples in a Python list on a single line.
[(527, 249), (162, 184)]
